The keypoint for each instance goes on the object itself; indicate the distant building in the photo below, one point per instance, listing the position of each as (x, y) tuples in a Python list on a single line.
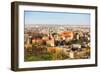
[(75, 47), (67, 35), (71, 54), (50, 42)]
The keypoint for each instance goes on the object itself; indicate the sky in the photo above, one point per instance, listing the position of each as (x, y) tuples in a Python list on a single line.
[(36, 17)]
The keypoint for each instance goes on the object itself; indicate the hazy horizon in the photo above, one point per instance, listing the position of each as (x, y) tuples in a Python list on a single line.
[(57, 24)]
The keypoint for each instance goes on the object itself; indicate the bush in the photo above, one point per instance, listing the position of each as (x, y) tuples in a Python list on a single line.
[(31, 58), (47, 56)]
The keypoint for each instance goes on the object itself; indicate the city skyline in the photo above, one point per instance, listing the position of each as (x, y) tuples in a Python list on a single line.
[(37, 17)]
